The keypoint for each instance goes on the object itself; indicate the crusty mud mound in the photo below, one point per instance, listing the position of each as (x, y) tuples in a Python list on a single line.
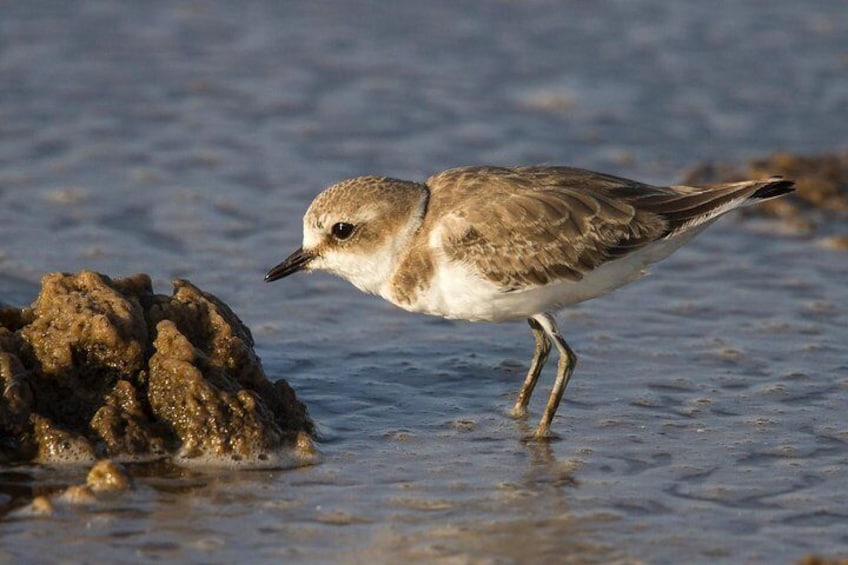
[(819, 202), (106, 368)]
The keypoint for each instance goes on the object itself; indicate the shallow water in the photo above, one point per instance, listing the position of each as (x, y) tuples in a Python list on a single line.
[(706, 417)]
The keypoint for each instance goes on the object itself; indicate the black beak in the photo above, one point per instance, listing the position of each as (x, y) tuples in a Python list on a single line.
[(295, 262)]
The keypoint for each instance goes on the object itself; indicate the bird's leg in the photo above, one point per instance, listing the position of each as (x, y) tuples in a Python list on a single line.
[(565, 366), (540, 355)]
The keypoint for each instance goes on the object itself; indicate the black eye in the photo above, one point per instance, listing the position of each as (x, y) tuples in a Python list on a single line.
[(342, 230)]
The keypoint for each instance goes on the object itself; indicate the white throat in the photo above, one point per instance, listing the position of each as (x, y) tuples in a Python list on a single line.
[(370, 270)]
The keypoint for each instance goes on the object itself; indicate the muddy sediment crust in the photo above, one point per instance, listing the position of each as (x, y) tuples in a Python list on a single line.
[(101, 367)]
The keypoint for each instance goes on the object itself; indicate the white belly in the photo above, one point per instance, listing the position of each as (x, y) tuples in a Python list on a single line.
[(457, 291)]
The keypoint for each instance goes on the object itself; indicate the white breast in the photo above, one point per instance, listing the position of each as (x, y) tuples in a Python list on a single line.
[(457, 291)]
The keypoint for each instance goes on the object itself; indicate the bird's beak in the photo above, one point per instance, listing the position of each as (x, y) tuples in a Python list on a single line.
[(295, 262)]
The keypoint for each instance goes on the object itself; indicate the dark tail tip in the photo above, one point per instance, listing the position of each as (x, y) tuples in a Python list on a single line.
[(775, 186)]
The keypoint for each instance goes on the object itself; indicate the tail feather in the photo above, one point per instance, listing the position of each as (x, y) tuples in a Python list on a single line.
[(685, 207), (773, 187)]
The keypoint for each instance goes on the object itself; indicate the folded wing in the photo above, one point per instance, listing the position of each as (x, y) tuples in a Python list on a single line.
[(530, 226)]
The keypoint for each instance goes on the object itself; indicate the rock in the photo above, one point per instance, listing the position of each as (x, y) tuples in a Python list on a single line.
[(57, 445), (204, 405), (16, 403), (124, 427), (108, 476), (39, 507), (77, 495), (102, 367)]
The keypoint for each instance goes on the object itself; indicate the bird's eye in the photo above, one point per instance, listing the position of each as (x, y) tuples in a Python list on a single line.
[(342, 230)]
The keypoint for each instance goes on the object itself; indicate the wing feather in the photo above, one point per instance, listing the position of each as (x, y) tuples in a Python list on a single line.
[(520, 229), (529, 226)]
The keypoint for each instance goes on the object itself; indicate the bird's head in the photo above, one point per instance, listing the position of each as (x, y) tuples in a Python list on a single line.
[(356, 229)]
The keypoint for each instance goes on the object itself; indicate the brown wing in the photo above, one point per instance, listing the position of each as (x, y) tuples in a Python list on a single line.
[(530, 226)]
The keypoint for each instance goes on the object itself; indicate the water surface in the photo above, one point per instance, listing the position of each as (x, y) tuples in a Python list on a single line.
[(706, 417)]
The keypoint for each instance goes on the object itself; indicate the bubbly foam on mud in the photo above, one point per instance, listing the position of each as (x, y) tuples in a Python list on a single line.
[(69, 452), (281, 459), (303, 453)]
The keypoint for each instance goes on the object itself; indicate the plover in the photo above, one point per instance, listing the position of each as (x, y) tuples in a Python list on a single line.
[(495, 244)]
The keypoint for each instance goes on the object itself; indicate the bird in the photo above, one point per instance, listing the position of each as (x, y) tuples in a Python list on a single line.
[(494, 244)]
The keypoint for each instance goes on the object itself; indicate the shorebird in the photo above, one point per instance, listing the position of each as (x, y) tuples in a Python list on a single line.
[(496, 244)]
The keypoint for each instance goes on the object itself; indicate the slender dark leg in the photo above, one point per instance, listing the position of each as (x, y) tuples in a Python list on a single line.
[(565, 366), (540, 355)]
